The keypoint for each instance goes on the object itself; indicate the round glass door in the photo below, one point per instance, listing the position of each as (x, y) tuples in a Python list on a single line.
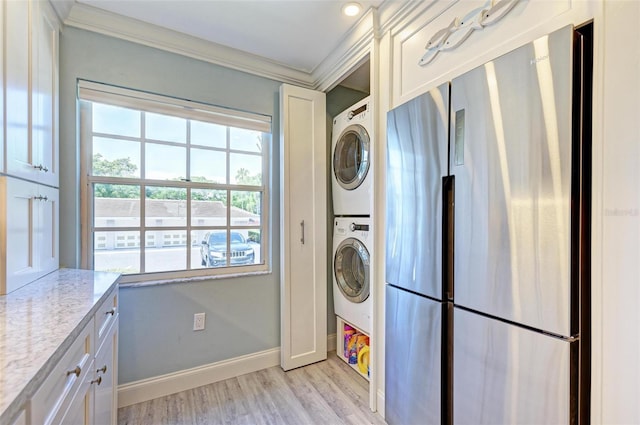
[(351, 268), (351, 157)]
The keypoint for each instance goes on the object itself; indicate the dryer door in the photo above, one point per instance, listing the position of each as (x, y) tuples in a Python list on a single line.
[(351, 269), (351, 157)]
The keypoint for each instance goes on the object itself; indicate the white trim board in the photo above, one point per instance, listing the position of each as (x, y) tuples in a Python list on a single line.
[(171, 383)]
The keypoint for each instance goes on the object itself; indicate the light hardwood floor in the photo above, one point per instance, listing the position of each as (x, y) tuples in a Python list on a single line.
[(324, 393)]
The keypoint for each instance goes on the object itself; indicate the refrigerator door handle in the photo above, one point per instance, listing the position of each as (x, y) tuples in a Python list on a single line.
[(448, 220)]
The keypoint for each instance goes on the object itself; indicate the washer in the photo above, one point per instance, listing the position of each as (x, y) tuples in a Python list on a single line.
[(352, 141), (352, 241)]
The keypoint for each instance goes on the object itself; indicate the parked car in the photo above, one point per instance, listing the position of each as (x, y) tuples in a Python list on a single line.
[(213, 250)]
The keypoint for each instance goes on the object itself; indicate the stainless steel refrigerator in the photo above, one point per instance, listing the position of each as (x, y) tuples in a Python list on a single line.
[(417, 307), (512, 266)]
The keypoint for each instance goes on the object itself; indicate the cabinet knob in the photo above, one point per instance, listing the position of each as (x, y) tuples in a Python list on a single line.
[(111, 312), (97, 381), (103, 369), (41, 168), (75, 371)]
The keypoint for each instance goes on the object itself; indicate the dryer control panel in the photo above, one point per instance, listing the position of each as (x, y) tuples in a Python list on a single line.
[(363, 227)]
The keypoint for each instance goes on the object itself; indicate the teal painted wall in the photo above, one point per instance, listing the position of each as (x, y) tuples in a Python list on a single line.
[(243, 314)]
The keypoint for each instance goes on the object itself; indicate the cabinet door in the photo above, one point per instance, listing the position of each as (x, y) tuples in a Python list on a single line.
[(17, 78), (304, 227), (106, 366), (31, 226), (46, 229), (80, 411), (21, 261), (44, 98)]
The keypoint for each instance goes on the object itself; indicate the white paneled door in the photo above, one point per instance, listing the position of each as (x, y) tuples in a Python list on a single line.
[(303, 209)]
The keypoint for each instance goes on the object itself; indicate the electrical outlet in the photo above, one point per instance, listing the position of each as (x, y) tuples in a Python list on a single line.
[(198, 322)]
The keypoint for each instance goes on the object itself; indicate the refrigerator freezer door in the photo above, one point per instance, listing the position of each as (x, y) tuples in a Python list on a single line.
[(511, 154), (505, 374), (413, 359), (417, 149)]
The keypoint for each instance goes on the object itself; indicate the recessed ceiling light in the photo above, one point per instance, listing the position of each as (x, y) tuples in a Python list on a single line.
[(351, 9)]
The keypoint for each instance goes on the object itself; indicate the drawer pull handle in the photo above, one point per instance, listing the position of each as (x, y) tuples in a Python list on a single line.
[(103, 369), (97, 381), (75, 371), (111, 312)]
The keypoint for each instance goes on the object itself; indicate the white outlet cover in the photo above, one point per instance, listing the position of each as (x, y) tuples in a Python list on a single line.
[(198, 321)]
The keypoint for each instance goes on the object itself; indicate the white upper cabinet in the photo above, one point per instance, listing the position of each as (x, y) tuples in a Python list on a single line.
[(44, 94), (470, 45), (17, 71), (31, 91)]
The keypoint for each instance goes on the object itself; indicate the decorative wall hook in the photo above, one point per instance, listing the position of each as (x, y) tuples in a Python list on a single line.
[(453, 35)]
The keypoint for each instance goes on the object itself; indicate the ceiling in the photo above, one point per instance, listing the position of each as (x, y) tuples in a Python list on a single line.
[(298, 34)]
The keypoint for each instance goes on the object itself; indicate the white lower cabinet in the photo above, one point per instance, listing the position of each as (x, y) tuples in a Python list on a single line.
[(106, 368), (82, 388), (57, 394), (29, 232)]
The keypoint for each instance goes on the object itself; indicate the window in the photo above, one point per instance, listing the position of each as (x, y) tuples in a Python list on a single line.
[(173, 187)]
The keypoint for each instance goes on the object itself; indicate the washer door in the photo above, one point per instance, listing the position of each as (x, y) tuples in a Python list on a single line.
[(351, 157), (351, 269)]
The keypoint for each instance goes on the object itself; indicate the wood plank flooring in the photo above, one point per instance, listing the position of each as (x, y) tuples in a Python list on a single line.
[(324, 393)]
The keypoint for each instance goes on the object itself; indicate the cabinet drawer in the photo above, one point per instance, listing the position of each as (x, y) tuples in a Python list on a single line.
[(52, 399), (105, 316)]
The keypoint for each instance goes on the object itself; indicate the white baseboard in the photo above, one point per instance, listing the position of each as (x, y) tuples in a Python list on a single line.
[(159, 386), (171, 383)]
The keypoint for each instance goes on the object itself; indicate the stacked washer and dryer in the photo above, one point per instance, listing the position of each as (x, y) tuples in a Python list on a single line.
[(352, 182)]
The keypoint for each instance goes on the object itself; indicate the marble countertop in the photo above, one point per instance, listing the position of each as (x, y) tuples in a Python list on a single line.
[(38, 323)]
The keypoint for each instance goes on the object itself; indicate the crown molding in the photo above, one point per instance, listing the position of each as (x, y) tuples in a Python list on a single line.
[(350, 52), (396, 15), (107, 23)]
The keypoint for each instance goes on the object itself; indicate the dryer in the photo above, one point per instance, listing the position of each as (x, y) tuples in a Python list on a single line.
[(352, 142), (352, 244)]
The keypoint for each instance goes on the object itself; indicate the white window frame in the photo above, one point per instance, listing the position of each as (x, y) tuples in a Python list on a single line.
[(148, 102)]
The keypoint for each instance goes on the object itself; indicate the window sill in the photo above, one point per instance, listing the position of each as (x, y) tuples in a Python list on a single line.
[(192, 279)]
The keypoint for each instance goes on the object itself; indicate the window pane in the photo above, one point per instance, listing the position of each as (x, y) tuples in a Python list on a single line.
[(116, 205), (246, 140), (164, 162), (115, 158), (208, 166), (207, 134), (254, 239), (245, 169), (245, 208), (117, 252), (197, 250), (165, 127), (165, 206), (215, 253), (208, 207), (169, 251), (116, 120)]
